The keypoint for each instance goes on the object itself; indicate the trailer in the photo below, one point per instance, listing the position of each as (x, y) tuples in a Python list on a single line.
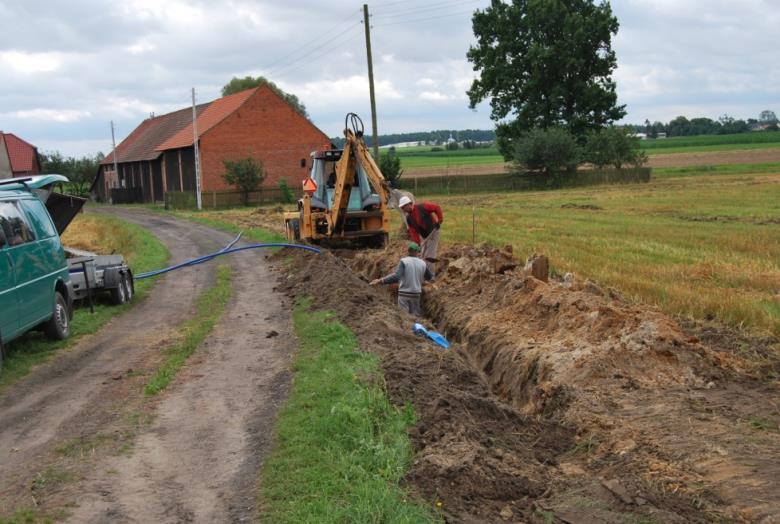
[(93, 275)]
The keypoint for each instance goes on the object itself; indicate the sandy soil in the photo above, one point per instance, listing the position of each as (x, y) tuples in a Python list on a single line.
[(711, 158), (562, 401), (78, 433)]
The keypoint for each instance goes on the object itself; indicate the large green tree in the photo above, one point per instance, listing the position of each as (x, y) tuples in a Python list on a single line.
[(545, 63), (240, 84)]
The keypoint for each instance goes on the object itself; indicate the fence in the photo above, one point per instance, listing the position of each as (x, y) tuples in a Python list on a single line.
[(460, 184), (223, 199)]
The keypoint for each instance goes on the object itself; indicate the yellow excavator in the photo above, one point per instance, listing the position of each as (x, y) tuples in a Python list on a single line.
[(345, 197)]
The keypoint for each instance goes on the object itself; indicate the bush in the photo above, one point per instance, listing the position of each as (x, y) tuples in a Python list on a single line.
[(390, 166), (615, 146), (246, 174), (551, 151), (288, 197)]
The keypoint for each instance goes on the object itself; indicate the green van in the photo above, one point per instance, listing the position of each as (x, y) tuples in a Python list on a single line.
[(35, 287)]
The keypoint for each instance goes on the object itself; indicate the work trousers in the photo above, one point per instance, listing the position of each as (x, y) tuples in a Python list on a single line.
[(410, 304), (429, 248)]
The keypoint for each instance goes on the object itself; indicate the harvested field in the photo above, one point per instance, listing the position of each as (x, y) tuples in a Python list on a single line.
[(561, 400), (661, 160)]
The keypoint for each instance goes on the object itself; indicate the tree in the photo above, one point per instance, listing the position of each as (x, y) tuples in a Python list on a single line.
[(81, 172), (550, 150), (547, 64), (246, 174), (240, 84), (390, 166)]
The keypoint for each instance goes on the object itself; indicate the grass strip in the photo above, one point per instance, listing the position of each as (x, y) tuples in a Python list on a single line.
[(208, 310), (341, 447), (143, 253)]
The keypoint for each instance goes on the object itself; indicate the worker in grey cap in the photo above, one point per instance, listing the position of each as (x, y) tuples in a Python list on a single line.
[(410, 274)]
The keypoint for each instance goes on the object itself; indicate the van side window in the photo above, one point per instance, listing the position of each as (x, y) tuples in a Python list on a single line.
[(39, 218), (17, 230)]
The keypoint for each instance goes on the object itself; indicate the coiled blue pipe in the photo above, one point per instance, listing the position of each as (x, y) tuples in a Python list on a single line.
[(224, 251)]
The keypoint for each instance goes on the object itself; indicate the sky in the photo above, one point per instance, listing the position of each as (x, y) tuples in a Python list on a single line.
[(70, 67)]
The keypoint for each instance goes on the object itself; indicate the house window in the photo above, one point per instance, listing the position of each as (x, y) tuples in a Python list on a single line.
[(303, 162)]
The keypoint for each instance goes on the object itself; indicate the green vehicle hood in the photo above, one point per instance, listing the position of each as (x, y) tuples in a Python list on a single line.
[(32, 182)]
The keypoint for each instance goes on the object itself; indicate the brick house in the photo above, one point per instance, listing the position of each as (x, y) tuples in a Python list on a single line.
[(159, 157), (17, 157)]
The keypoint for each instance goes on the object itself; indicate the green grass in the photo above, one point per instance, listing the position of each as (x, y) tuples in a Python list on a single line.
[(145, 253), (209, 308), (422, 156), (29, 516), (341, 447), (701, 244)]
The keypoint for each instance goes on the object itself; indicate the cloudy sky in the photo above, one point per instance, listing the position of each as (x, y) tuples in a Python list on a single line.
[(69, 67)]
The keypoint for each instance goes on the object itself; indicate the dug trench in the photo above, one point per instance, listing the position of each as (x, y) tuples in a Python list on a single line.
[(558, 401)]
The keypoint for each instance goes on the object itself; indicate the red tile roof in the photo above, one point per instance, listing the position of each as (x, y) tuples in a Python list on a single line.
[(217, 111), (22, 155), (143, 142)]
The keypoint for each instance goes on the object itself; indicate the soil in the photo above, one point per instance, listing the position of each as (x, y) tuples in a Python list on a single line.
[(78, 433), (709, 158), (560, 400)]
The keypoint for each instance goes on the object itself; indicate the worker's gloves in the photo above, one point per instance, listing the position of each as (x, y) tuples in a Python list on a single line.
[(436, 225)]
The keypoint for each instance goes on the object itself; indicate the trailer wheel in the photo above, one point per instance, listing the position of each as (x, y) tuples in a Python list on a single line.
[(58, 326), (119, 293), (127, 281)]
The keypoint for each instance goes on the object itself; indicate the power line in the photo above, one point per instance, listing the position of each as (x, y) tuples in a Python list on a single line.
[(430, 7), (307, 44), (425, 19), (322, 52)]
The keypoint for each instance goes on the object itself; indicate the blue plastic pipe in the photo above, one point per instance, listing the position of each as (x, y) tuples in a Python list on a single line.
[(224, 251)]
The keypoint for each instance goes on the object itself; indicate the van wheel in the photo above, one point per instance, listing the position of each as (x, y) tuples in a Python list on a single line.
[(58, 326), (119, 293)]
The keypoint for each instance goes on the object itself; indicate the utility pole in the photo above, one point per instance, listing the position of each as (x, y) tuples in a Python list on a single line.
[(197, 152), (113, 144), (371, 81)]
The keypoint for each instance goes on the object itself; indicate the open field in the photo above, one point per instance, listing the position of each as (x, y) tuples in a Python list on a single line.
[(720, 149), (664, 160), (703, 245)]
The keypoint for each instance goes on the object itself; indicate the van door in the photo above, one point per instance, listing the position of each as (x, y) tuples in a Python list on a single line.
[(34, 292), (9, 309)]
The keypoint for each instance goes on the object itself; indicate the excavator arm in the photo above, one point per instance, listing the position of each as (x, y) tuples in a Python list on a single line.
[(355, 153)]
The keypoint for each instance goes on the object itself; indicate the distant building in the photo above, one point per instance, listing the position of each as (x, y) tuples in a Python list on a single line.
[(17, 157), (159, 155)]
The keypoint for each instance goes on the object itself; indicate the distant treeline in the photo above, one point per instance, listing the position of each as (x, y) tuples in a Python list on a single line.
[(725, 125), (429, 137)]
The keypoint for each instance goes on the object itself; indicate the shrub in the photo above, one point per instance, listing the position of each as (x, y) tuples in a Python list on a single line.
[(390, 166), (551, 151), (615, 146), (288, 197)]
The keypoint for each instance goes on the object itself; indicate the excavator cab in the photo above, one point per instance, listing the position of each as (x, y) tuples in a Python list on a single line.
[(346, 196)]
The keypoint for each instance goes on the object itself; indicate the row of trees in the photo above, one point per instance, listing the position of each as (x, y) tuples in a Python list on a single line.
[(725, 125), (80, 171)]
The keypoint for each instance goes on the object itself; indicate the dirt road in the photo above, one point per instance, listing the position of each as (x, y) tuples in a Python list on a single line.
[(79, 438)]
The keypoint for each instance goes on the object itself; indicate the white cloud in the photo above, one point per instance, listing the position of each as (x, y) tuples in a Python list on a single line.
[(426, 82), (435, 96), (28, 63), (49, 115)]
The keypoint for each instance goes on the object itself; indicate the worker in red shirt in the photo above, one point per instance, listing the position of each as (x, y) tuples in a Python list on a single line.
[(423, 221)]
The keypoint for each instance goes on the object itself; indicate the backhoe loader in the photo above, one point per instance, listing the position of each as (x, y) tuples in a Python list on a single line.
[(345, 198)]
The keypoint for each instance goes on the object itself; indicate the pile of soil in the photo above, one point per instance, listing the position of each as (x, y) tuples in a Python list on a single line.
[(557, 399)]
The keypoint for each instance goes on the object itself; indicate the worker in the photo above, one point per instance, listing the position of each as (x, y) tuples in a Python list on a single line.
[(410, 274), (423, 221)]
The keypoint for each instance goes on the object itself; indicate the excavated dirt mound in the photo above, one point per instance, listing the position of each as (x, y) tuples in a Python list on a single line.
[(657, 415), (557, 401)]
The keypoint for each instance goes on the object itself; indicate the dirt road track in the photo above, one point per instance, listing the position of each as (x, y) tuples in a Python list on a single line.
[(198, 457)]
